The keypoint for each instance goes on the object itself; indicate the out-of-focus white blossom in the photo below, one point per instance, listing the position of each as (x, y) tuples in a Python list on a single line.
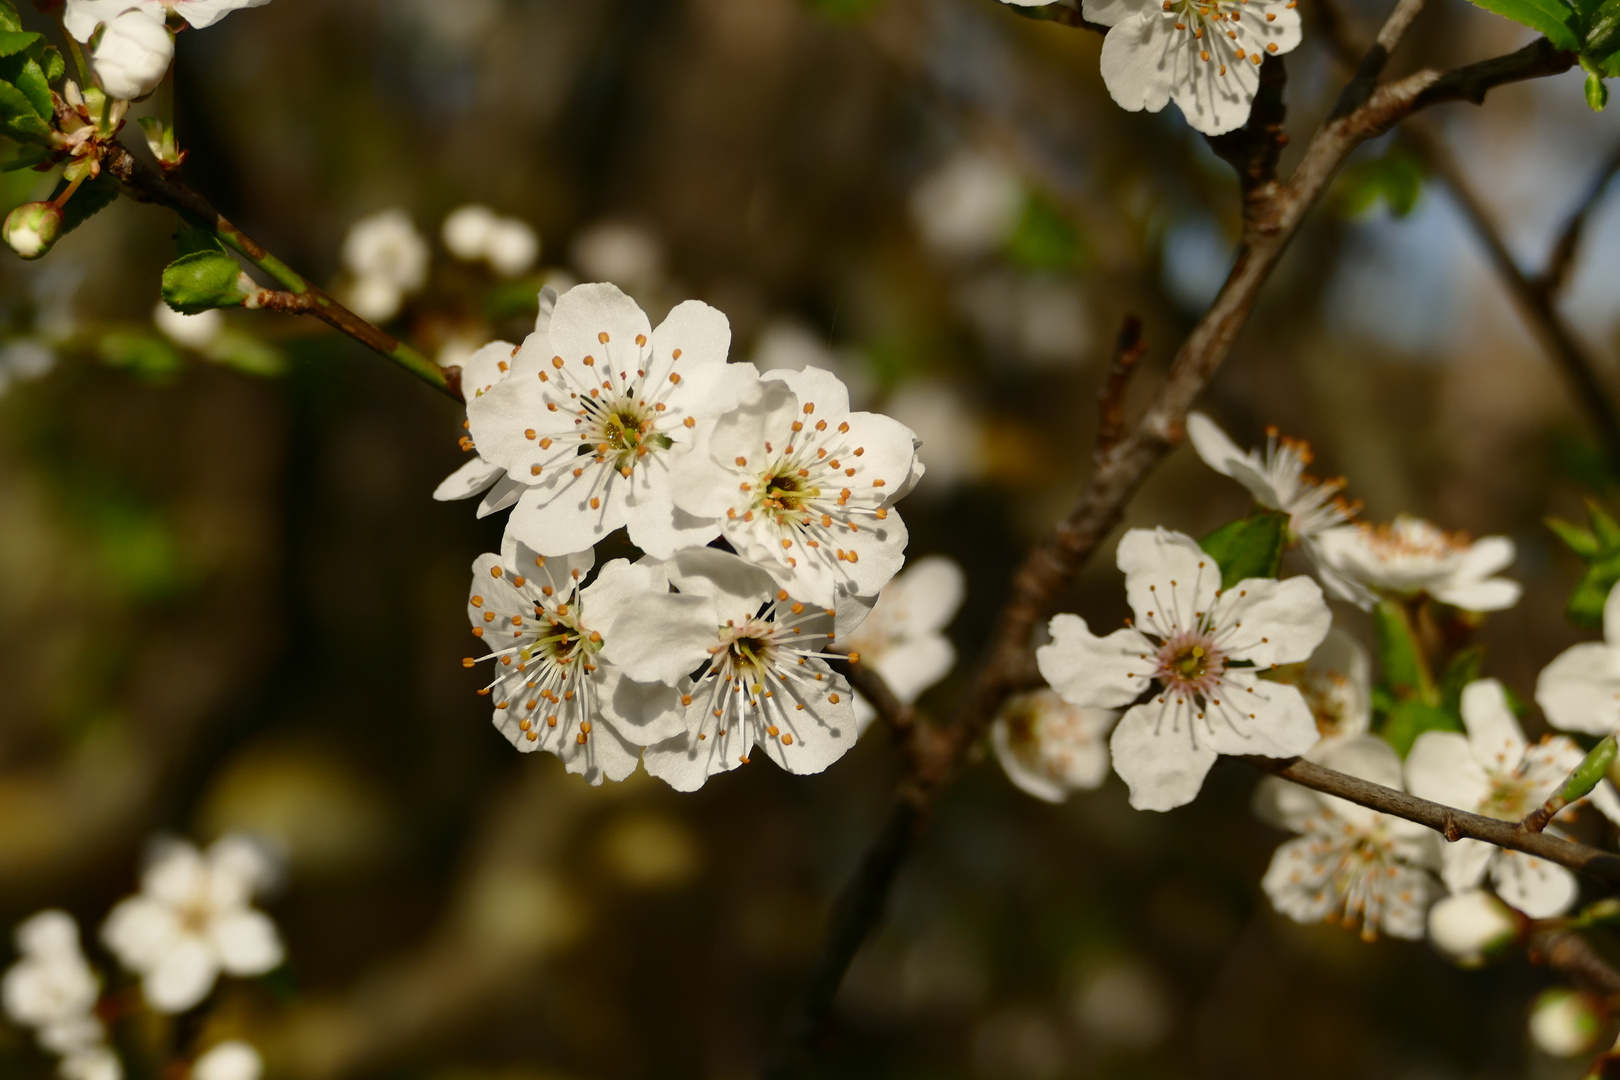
[(1049, 748), (969, 206), (763, 680), (619, 251), (476, 233), (1187, 634), (636, 399), (387, 260), (950, 436), (193, 920), (82, 16), (786, 344), (1037, 318), (903, 639), (1566, 1023), (1580, 689), (1337, 684), (1203, 56), (197, 331), (24, 360), (230, 1060), (91, 1063), (1472, 926), (1412, 556), (51, 988), (133, 54), (1352, 865), (1492, 771)]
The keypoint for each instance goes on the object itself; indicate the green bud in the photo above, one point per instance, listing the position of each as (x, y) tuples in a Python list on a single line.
[(1597, 93), (1590, 772), (32, 228), (202, 281)]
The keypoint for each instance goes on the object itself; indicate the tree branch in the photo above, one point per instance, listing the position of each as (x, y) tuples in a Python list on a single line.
[(1568, 952), (1270, 222), (1562, 259), (145, 184)]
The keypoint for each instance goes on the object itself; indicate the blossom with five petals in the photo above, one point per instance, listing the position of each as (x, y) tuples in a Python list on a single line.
[(1412, 556), (804, 487), (553, 689), (192, 920), (1493, 771), (759, 657), (596, 412), (1351, 865), (1049, 748), (1205, 647), (1580, 689)]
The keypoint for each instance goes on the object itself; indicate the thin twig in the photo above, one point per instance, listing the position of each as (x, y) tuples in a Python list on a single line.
[(145, 184), (1567, 951), (1562, 259), (1270, 221), (1534, 298), (1129, 349)]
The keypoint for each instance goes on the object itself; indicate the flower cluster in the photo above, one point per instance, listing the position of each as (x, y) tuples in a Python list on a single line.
[(136, 47), (189, 922), (764, 508)]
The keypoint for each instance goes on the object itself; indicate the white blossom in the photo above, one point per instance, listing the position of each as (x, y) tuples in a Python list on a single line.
[(91, 1063), (229, 1060), (388, 260), (1352, 865), (1205, 56), (1049, 748), (1472, 926), (23, 360), (133, 54), (51, 988), (761, 677), (969, 206), (193, 920), (477, 234), (903, 638), (1337, 684), (619, 251), (1278, 481), (553, 689), (1580, 689), (1412, 556), (803, 487), (1187, 635), (1492, 771), (82, 16), (601, 380), (197, 331), (1566, 1023), (481, 371)]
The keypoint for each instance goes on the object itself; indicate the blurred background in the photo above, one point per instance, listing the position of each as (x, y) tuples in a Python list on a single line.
[(228, 602)]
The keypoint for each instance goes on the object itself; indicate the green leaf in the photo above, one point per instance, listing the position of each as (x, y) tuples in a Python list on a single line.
[(1597, 94), (1552, 18), (8, 17), (13, 42), (201, 281), (1402, 666), (246, 354), (30, 79), (1582, 542), (1396, 179), (51, 60), (1250, 547), (1602, 30), (1585, 608), (1411, 718), (1044, 239), (27, 158), (1604, 527), (1462, 669), (19, 119), (146, 356), (92, 198)]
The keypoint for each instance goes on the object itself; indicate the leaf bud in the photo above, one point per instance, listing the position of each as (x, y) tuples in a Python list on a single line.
[(1597, 93), (1566, 1023), (32, 228), (1472, 927)]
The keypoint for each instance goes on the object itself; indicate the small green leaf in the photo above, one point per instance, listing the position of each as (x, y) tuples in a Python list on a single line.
[(19, 119), (149, 358), (55, 67), (8, 17), (30, 79), (1582, 542), (1585, 608), (1411, 718), (1604, 527), (201, 281), (1552, 18), (13, 42), (1602, 30), (1250, 547), (1401, 663), (1597, 94)]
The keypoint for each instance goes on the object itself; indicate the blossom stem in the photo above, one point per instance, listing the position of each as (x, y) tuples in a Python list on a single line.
[(145, 185)]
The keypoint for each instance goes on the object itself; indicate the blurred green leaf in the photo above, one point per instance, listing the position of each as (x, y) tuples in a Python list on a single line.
[(26, 158), (1410, 718), (1599, 548), (1396, 179), (138, 551), (8, 16), (19, 119), (1581, 541), (15, 41), (1585, 607), (1462, 669), (1556, 20), (146, 356), (1044, 239), (1250, 547), (51, 60), (202, 281), (92, 198), (246, 354), (513, 298), (1403, 669)]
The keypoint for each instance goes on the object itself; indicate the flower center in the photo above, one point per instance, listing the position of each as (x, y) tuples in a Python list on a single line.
[(623, 431), (1510, 799), (1191, 663)]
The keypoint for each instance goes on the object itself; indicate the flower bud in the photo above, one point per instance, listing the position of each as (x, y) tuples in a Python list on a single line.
[(32, 228), (1565, 1023), (133, 55), (1472, 927)]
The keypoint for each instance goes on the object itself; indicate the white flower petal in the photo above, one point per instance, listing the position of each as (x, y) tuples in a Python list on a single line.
[(1539, 888), (1463, 863), (1496, 594), (471, 479), (182, 978), (230, 1060), (1213, 445), (141, 931), (1169, 581), (1580, 689), (246, 942), (1277, 622), (1257, 716), (663, 638), (1156, 755), (1494, 735), (1441, 767), (1088, 670)]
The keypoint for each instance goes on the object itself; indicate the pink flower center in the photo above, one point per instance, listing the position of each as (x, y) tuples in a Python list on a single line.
[(1191, 663)]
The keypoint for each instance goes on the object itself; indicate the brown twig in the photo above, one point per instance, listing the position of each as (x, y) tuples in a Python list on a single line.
[(1536, 298), (1567, 951), (1562, 258), (1270, 221), (1129, 349)]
